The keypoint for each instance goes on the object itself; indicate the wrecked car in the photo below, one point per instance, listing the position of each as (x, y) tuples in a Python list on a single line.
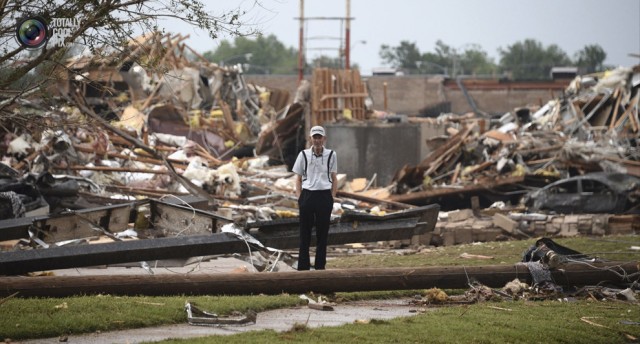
[(599, 192)]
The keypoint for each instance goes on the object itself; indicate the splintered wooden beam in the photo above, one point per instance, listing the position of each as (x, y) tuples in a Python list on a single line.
[(321, 281), (374, 200), (20, 262), (417, 197)]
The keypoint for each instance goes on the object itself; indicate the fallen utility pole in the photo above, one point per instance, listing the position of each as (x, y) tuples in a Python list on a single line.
[(323, 281)]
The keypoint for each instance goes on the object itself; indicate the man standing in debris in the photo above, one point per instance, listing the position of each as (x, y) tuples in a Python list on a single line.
[(316, 187)]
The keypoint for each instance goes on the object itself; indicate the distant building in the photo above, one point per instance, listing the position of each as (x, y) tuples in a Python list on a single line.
[(563, 73), (387, 71)]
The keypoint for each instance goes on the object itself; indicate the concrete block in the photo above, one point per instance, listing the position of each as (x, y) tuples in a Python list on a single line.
[(489, 234), (569, 229), (571, 219), (395, 243), (585, 224), (421, 239), (505, 223), (460, 215), (554, 225), (448, 239), (539, 228), (450, 226), (599, 225), (482, 224), (552, 228), (466, 223), (464, 236)]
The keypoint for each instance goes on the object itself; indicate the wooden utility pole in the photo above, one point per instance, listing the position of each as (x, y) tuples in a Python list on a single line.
[(322, 281), (301, 44), (347, 42)]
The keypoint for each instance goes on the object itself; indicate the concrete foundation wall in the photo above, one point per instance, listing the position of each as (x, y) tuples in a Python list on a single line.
[(367, 148), (409, 94)]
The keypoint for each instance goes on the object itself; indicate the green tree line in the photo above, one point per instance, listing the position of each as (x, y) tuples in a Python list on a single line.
[(523, 60)]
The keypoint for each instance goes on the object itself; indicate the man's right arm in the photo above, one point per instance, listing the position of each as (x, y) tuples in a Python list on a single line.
[(298, 185), (298, 170)]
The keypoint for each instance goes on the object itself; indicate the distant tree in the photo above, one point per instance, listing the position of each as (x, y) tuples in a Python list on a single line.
[(438, 62), (591, 58), (405, 56), (444, 60), (263, 55), (324, 61), (474, 60), (530, 60)]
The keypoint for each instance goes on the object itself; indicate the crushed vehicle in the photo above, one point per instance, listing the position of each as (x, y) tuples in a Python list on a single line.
[(599, 192)]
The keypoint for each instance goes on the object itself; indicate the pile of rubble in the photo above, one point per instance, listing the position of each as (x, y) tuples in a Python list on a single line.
[(594, 126), (162, 152), (182, 146), (592, 130)]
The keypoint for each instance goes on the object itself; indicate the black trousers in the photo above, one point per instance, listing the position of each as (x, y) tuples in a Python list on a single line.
[(315, 210)]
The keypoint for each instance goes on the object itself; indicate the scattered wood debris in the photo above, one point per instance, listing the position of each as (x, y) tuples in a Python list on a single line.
[(188, 147)]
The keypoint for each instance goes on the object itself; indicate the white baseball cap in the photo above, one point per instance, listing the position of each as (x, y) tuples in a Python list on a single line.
[(317, 130)]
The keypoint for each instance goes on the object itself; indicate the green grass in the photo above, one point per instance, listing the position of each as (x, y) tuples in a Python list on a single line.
[(526, 322), (506, 252), (48, 317), (530, 322)]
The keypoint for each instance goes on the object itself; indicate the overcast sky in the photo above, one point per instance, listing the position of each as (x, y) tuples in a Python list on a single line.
[(493, 24)]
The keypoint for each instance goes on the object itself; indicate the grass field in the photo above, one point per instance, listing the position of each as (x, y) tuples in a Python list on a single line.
[(584, 320)]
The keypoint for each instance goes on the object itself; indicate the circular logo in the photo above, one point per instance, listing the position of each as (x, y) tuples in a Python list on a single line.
[(31, 32)]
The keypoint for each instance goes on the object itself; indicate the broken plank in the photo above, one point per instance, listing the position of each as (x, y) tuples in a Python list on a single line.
[(627, 112), (364, 198), (614, 116), (417, 197), (109, 169)]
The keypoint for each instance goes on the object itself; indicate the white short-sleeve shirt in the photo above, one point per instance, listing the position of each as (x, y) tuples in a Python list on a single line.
[(317, 172)]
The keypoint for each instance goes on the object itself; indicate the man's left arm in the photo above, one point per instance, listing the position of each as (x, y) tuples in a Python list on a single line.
[(334, 185), (334, 175)]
